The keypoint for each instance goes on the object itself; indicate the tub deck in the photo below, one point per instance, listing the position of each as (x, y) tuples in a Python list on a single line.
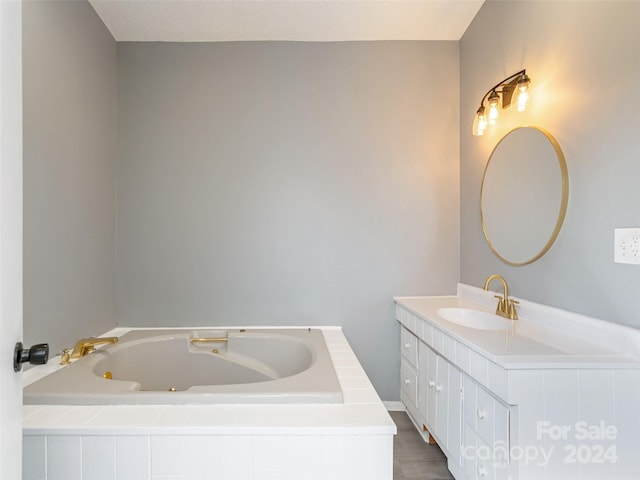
[(352, 440)]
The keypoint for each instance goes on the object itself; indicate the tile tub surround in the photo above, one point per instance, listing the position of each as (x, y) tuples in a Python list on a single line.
[(353, 440)]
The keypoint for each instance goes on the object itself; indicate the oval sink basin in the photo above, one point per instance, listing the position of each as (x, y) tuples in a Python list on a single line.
[(468, 317)]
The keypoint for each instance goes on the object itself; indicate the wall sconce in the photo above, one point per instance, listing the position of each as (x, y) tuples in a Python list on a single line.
[(517, 84)]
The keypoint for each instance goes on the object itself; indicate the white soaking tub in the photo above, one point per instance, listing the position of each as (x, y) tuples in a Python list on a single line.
[(347, 440), (197, 366)]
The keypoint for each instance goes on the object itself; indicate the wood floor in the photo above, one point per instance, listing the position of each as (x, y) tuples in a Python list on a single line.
[(413, 458)]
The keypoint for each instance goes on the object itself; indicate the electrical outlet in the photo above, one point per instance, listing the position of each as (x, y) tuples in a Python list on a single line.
[(627, 245)]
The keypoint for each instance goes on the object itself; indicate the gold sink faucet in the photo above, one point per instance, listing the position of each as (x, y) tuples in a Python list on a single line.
[(88, 345), (506, 306)]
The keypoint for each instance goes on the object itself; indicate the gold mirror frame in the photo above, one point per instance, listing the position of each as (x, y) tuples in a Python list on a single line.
[(563, 205)]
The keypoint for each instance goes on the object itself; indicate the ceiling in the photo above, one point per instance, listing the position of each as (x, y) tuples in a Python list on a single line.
[(293, 20)]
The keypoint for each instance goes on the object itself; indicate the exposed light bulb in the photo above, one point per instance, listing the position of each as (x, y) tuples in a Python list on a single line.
[(523, 97), (480, 122), (523, 92), (494, 112)]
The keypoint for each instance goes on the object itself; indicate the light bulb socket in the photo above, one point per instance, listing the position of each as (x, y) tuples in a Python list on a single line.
[(494, 99), (523, 81)]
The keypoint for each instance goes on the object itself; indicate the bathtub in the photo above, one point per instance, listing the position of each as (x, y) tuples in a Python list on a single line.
[(197, 366), (351, 439)]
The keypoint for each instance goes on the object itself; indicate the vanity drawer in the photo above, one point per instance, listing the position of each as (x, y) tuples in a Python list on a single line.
[(486, 415), (409, 381), (409, 346), (480, 461)]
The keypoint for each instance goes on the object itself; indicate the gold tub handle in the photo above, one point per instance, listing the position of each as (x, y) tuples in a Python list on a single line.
[(208, 340)]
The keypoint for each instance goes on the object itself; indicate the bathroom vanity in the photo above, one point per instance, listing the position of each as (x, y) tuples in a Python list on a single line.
[(553, 395)]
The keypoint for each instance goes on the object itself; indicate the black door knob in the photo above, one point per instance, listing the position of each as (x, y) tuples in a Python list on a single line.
[(36, 355)]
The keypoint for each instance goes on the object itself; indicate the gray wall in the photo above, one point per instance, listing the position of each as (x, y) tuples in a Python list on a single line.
[(70, 147), (287, 184), (583, 60)]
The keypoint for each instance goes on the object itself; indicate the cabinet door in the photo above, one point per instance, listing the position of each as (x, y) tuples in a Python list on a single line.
[(454, 416), (427, 395), (442, 400), (432, 377), (423, 381)]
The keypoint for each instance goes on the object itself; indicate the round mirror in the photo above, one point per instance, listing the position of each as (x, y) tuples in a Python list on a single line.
[(524, 195)]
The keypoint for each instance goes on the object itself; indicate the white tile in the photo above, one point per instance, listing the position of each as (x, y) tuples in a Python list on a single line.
[(132, 458), (78, 416), (174, 416), (343, 354), (98, 457), (375, 457), (304, 457), (236, 457), (64, 457), (340, 457), (167, 455), (269, 452), (346, 362), (45, 416), (345, 372), (34, 457), (360, 396), (142, 415), (202, 457), (112, 416), (28, 410), (355, 382)]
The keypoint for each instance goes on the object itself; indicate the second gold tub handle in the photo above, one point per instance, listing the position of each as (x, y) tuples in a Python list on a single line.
[(208, 340)]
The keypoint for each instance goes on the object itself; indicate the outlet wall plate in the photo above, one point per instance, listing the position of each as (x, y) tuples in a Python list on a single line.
[(627, 245)]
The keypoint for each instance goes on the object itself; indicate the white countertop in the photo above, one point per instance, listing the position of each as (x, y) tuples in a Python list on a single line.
[(530, 343)]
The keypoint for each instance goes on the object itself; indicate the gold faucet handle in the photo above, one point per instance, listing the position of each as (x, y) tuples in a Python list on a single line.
[(65, 358), (513, 314), (500, 302)]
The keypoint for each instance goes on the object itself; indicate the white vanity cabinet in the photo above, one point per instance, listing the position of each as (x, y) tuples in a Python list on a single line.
[(534, 401), (439, 399), (450, 406)]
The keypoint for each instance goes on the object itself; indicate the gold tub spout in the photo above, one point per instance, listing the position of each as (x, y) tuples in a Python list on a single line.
[(506, 306), (88, 345)]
